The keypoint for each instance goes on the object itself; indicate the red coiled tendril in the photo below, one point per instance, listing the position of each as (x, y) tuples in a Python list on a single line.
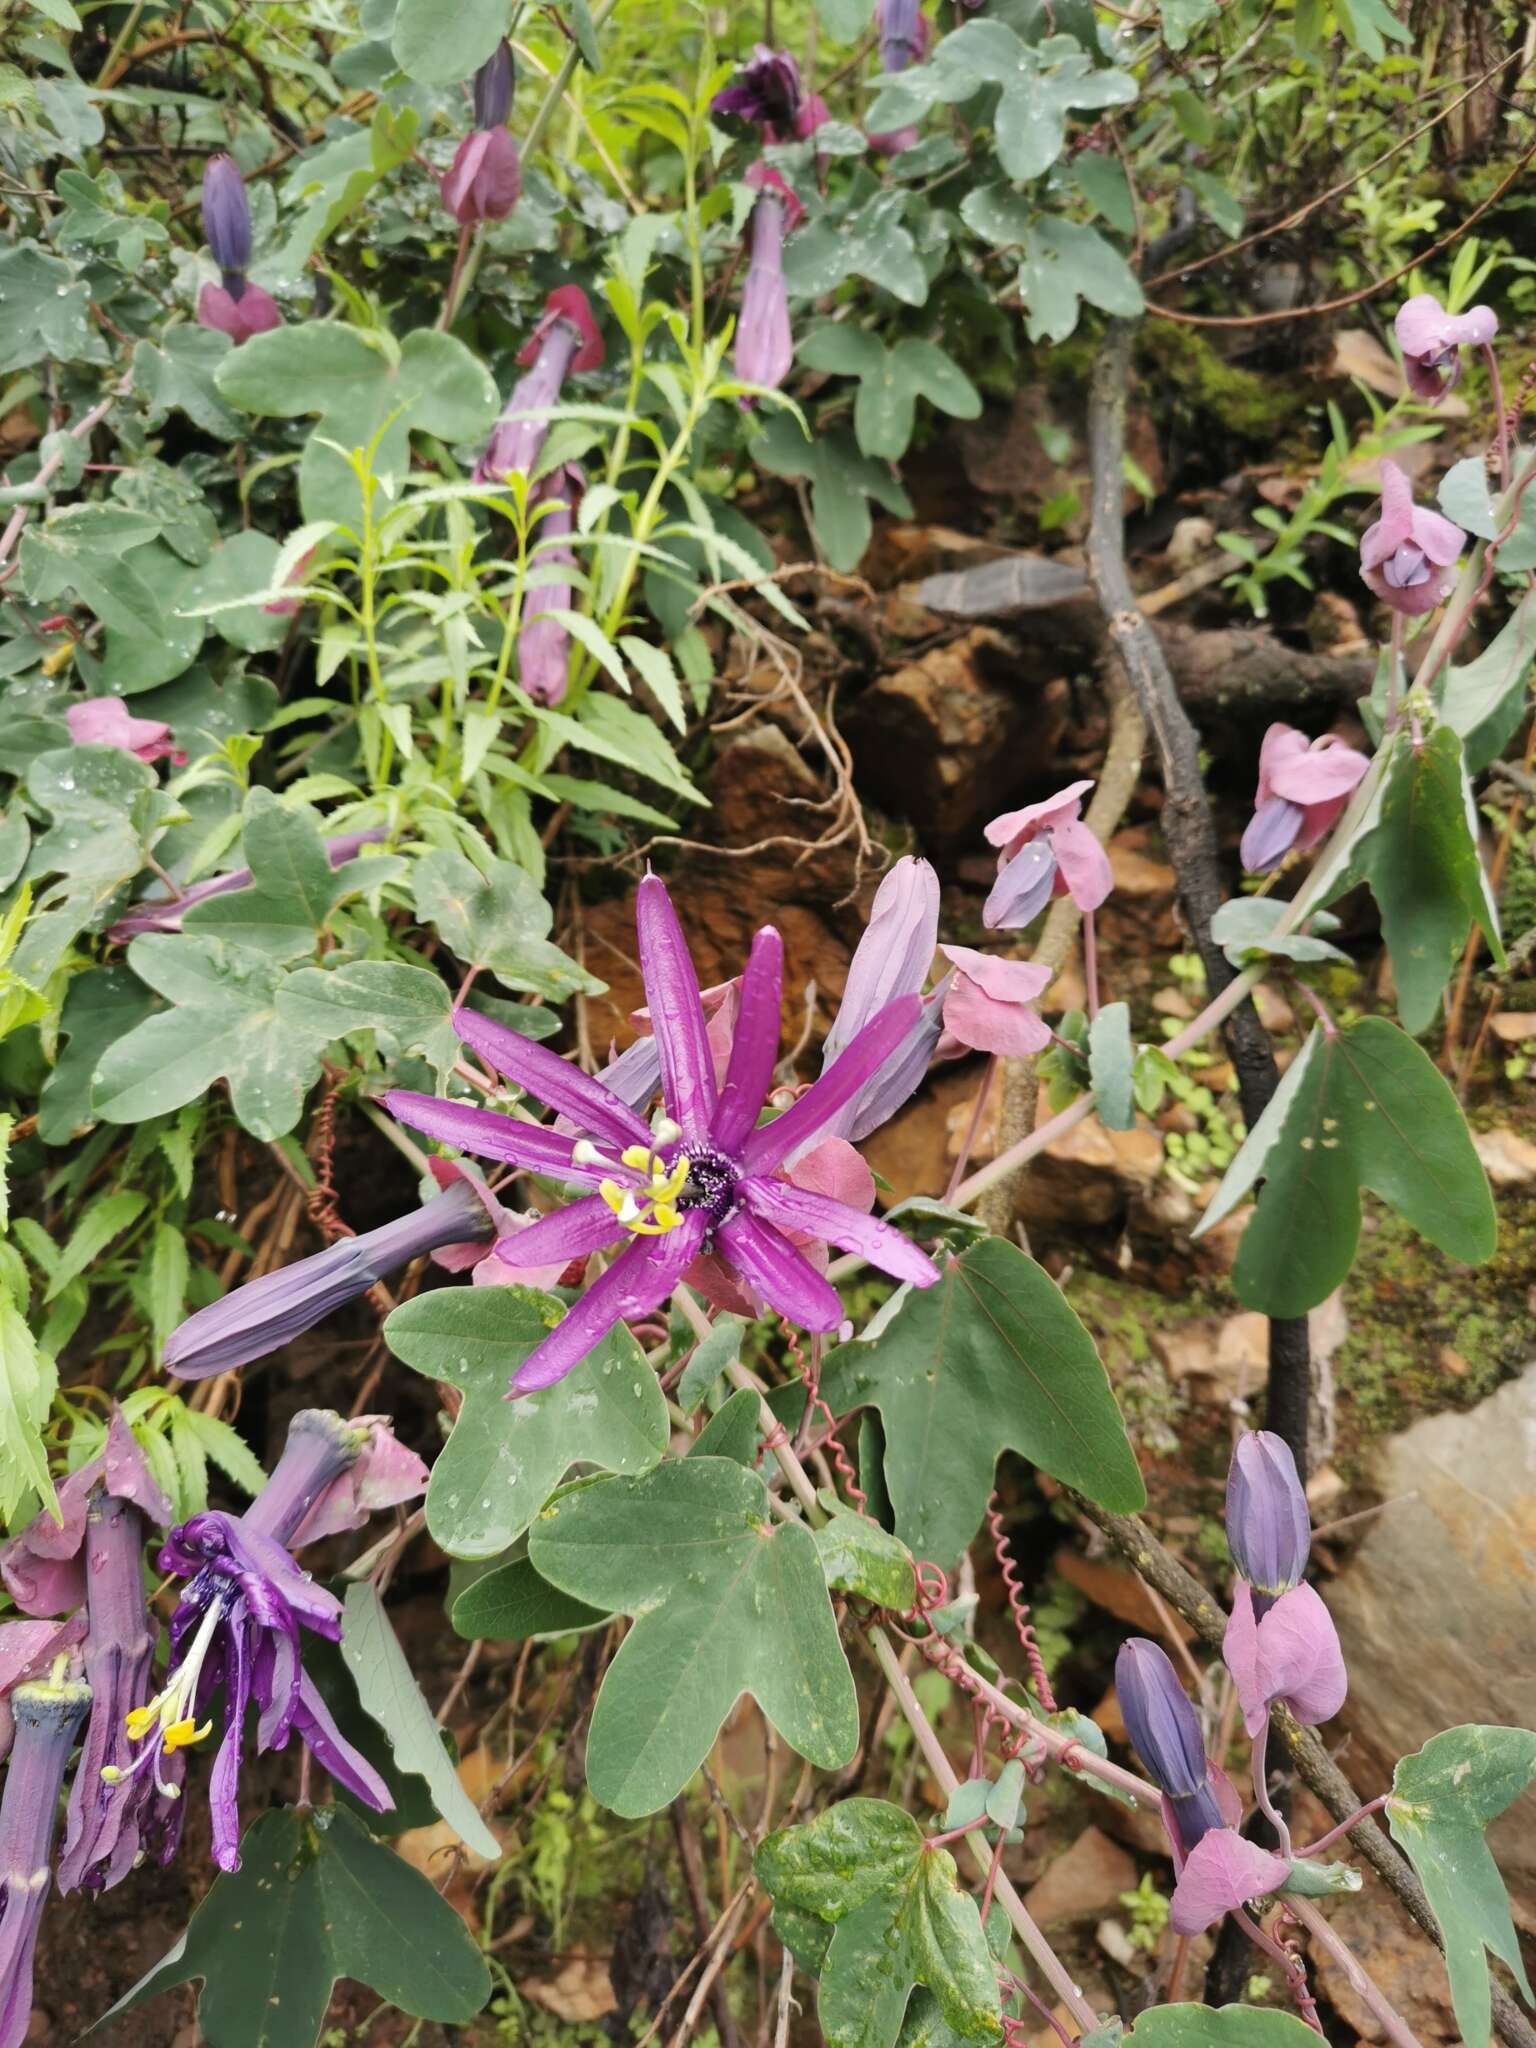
[(1019, 1608)]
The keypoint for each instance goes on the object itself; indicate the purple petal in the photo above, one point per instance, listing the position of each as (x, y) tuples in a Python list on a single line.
[(571, 1233), (784, 1277), (755, 1046), (1268, 1528), (558, 1082), (792, 1208), (1160, 1718), (1270, 835), (1222, 1871), (496, 1136), (899, 1078), (844, 1079), (895, 954), (328, 1746), (1022, 889), (638, 1281), (677, 1014), (128, 1476)]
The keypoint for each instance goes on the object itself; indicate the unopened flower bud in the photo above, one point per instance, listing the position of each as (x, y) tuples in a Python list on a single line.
[(1268, 1526)]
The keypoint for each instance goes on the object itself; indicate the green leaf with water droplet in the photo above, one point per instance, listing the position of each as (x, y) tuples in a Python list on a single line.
[(726, 1601)]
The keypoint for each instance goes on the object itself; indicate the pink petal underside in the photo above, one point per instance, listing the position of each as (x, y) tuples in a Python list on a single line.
[(1300, 1660), (1440, 538), (836, 1168), (1240, 1654), (1084, 864), (980, 1021), (1220, 1872), (1279, 744), (1322, 774), (1006, 981), (1395, 525), (1014, 827), (1420, 325)]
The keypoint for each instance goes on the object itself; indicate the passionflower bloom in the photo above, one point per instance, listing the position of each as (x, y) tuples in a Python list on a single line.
[(765, 347), (767, 93), (1408, 556), (48, 1711), (702, 1181), (1304, 786), (238, 1625), (234, 305), (543, 641), (892, 959), (486, 175), (1268, 1528), (107, 722), (988, 1004), (904, 33), (264, 1314), (565, 339), (1432, 341), (162, 913), (1290, 1652), (1047, 851)]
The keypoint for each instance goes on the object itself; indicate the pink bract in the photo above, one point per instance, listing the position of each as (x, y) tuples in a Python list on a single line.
[(1221, 1872), (254, 312), (988, 1004), (1289, 1653), (107, 722), (1432, 340)]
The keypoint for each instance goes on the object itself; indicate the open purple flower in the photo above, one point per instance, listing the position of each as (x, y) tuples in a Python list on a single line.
[(1289, 1652), (544, 641), (234, 305), (701, 1182), (237, 1627), (162, 913), (768, 94), (47, 1714), (1304, 786), (765, 347), (486, 176), (107, 722), (1268, 1527), (1047, 851), (565, 340), (1432, 341), (1408, 556)]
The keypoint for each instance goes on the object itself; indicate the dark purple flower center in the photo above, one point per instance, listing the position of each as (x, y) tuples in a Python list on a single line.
[(711, 1185)]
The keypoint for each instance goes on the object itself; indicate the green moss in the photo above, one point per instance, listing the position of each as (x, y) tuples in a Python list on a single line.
[(1233, 400)]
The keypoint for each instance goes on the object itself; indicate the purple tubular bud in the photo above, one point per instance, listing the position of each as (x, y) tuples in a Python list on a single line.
[(895, 954), (227, 218), (1268, 1527), (1272, 832), (765, 346), (46, 1719), (1161, 1721), (1195, 1814), (164, 914), (320, 1447), (901, 33), (543, 643), (494, 82), (265, 1314), (516, 440)]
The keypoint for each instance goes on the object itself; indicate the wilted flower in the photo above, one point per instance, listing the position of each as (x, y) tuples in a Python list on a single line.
[(1268, 1527), (1304, 786), (264, 1314), (163, 913), (234, 306), (48, 1712), (1046, 851), (27, 1650), (764, 346), (107, 722), (543, 641), (486, 175), (1407, 557), (988, 1004), (1290, 1652), (904, 33), (892, 959), (701, 1181), (565, 339), (768, 93), (1432, 341), (237, 1627)]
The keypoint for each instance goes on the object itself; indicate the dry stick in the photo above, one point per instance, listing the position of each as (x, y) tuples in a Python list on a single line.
[(1188, 826), (1314, 1766)]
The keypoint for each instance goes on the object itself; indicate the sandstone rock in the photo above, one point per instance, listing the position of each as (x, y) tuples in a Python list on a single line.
[(1508, 1159), (1082, 1881), (579, 1992), (1437, 1608), (1135, 873), (1227, 1356), (1514, 1026), (1090, 1175), (1275, 1013), (914, 1152), (1406, 1967), (1117, 1589)]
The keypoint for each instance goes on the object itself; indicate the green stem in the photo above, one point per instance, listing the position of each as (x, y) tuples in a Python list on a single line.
[(558, 84)]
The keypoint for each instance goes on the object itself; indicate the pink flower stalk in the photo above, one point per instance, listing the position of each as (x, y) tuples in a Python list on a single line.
[(107, 722), (1408, 556), (486, 176), (234, 306), (1432, 341), (565, 340), (1290, 1653), (1304, 786), (703, 1179), (543, 641), (1046, 851), (988, 1004), (765, 347)]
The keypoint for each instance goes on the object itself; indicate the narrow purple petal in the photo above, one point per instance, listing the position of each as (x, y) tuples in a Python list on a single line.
[(839, 1084), (586, 1226), (328, 1746), (558, 1082), (1270, 834), (491, 1135), (677, 1014), (784, 1277), (792, 1208), (756, 1043), (638, 1281)]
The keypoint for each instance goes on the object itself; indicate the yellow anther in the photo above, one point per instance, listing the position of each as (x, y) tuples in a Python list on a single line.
[(139, 1720), (639, 1157), (651, 1210), (112, 1775), (181, 1734)]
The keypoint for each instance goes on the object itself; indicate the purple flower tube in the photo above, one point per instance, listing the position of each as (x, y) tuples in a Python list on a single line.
[(164, 913), (565, 340), (543, 642), (765, 347), (47, 1714), (1268, 1527)]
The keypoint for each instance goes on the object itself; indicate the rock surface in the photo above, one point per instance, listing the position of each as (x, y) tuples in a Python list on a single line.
[(1085, 1880)]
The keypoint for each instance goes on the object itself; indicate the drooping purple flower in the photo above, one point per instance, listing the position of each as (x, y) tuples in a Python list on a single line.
[(565, 339), (47, 1714), (1290, 1652), (234, 305), (1408, 556), (766, 92), (44, 1567), (1304, 786), (543, 641), (892, 959), (265, 1314), (486, 176), (1224, 1870), (107, 722), (904, 33), (494, 84), (989, 1003), (702, 1181), (1165, 1733), (1047, 851), (1432, 341), (1268, 1527), (765, 347), (237, 1627), (161, 913)]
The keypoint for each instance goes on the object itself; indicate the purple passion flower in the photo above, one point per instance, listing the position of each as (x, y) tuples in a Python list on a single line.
[(1047, 851), (1432, 341), (1268, 1526), (1164, 1729), (47, 1714), (1290, 1652), (164, 913), (565, 340), (765, 347), (237, 1627), (543, 641), (702, 1182), (234, 306), (1304, 786), (1408, 556), (766, 92)]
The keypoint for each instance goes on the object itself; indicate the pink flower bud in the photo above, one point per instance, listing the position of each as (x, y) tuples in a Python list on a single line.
[(485, 177)]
